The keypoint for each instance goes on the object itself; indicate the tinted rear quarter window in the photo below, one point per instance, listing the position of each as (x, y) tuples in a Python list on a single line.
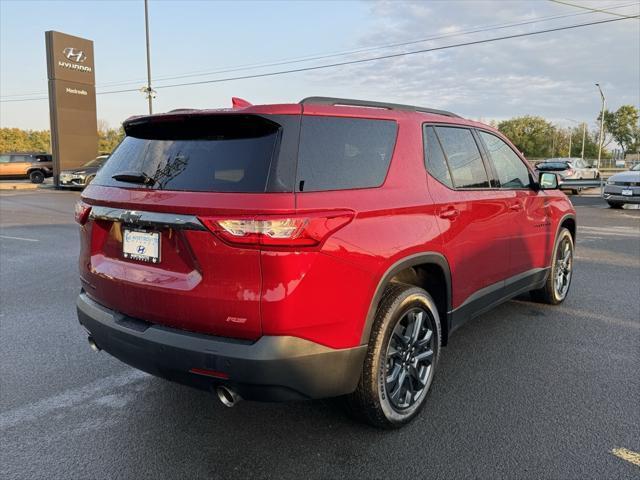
[(463, 156), (344, 153)]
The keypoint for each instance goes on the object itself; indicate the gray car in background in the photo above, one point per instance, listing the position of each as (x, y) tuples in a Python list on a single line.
[(623, 187), (569, 169)]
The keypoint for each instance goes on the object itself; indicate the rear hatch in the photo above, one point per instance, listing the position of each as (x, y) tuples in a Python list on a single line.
[(147, 246)]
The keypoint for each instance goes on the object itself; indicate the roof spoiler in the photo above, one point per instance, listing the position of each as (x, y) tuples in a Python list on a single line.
[(237, 102)]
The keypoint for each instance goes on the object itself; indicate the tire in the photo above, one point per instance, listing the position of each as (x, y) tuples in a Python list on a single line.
[(615, 205), (554, 292), (36, 176), (377, 400)]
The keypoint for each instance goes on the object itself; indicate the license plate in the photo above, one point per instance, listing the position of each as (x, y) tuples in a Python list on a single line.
[(627, 193), (141, 245)]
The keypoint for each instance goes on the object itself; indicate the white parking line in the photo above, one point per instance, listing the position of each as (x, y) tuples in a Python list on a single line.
[(99, 388), (19, 238), (628, 455)]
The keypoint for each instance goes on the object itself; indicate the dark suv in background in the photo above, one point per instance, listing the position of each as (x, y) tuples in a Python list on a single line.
[(319, 249)]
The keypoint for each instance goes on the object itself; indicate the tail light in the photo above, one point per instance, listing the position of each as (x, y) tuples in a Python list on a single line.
[(307, 230), (570, 172), (82, 212)]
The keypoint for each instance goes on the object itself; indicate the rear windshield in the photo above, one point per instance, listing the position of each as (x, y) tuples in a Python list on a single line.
[(225, 153), (552, 166)]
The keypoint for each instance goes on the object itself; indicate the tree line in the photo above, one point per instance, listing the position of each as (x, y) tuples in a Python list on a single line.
[(534, 136), (18, 140)]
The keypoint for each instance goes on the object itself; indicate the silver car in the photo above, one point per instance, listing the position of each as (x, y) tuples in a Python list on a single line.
[(623, 187), (569, 169)]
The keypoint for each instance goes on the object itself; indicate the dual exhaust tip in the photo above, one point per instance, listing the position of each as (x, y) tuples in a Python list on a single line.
[(229, 398)]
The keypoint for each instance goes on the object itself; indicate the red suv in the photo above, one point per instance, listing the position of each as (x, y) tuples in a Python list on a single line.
[(319, 249)]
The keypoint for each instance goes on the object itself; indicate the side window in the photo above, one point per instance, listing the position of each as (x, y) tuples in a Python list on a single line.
[(463, 156), (434, 158), (4, 158), (20, 159), (511, 172), (344, 153)]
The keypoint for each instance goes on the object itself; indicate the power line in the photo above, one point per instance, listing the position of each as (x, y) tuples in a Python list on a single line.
[(384, 57), (365, 60), (478, 29), (593, 10)]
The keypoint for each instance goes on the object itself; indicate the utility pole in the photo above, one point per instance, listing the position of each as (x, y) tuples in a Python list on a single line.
[(149, 90), (584, 133), (601, 136), (570, 138)]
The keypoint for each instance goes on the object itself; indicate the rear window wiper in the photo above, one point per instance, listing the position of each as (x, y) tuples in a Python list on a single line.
[(134, 177)]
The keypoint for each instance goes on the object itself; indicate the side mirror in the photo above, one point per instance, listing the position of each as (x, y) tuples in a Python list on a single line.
[(548, 181)]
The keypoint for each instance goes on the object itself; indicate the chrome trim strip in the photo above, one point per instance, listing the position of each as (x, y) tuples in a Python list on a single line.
[(149, 219)]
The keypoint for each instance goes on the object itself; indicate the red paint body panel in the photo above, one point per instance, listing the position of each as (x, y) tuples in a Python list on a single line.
[(323, 293)]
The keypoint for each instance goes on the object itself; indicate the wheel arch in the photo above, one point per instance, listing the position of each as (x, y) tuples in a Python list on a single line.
[(568, 222), (427, 270)]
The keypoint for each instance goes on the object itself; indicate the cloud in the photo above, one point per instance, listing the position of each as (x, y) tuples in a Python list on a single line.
[(550, 74)]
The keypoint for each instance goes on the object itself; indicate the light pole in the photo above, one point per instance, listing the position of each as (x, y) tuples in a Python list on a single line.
[(600, 137), (148, 90), (584, 134)]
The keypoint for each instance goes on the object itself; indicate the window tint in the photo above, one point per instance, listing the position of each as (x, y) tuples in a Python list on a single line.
[(512, 173), (343, 153), (224, 153), (463, 157), (434, 158)]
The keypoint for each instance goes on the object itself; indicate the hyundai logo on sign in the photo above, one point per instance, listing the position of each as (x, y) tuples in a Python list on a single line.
[(141, 249), (74, 55)]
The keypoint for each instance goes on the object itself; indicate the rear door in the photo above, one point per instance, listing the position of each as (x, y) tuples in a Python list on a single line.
[(19, 164), (473, 214), (148, 250), (528, 220)]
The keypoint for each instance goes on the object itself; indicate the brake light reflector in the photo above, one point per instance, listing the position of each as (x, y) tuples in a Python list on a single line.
[(290, 231), (82, 211)]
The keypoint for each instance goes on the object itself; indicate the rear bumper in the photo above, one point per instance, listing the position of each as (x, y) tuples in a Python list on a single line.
[(274, 368)]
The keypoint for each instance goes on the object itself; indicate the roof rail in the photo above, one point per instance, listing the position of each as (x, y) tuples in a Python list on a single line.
[(365, 103)]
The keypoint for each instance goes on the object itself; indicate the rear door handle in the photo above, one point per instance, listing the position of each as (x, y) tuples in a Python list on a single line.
[(516, 207), (449, 213)]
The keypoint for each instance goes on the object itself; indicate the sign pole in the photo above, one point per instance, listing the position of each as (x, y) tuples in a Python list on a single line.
[(146, 26)]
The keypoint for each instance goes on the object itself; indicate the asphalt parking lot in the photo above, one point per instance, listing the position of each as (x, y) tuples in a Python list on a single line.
[(525, 391)]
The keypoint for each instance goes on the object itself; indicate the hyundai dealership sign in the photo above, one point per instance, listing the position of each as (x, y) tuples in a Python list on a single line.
[(72, 100)]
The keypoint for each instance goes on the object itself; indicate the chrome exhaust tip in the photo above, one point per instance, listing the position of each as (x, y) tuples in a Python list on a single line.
[(228, 397), (92, 343)]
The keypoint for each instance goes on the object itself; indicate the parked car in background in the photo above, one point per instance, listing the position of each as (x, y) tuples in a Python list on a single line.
[(569, 169), (623, 187), (310, 250), (80, 177), (33, 165)]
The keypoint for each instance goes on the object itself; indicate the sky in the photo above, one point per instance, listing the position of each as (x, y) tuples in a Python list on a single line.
[(551, 75)]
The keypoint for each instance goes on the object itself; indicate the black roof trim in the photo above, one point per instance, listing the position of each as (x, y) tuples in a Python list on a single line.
[(366, 103)]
